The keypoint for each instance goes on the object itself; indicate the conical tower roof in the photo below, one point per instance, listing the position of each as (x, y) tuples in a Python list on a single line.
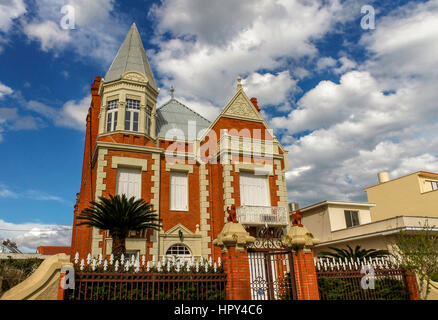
[(131, 57)]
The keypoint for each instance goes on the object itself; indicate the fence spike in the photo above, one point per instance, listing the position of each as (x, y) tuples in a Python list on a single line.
[(82, 264), (116, 266), (93, 265), (219, 261), (89, 258), (159, 266), (197, 266), (76, 257), (210, 261), (215, 267), (143, 260), (168, 266), (105, 265), (206, 267), (132, 259), (111, 259)]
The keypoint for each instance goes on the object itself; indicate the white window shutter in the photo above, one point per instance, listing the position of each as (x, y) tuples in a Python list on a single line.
[(129, 182), (254, 190), (178, 191)]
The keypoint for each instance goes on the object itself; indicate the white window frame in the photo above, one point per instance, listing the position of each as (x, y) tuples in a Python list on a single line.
[(112, 115), (245, 202), (434, 185), (173, 177), (182, 257), (132, 110)]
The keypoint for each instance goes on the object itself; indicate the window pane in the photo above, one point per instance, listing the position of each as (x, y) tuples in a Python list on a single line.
[(135, 123), (355, 218), (127, 120), (348, 218), (112, 104), (132, 104), (108, 122), (115, 120)]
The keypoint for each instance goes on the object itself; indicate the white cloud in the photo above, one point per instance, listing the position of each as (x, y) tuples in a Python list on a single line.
[(5, 90), (29, 236), (10, 10), (49, 34), (91, 36), (268, 88), (71, 115), (358, 128), (202, 61)]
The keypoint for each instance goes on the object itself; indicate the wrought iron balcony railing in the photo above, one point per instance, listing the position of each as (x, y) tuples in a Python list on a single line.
[(257, 215)]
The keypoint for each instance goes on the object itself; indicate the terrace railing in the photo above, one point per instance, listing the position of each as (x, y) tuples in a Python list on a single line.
[(258, 215)]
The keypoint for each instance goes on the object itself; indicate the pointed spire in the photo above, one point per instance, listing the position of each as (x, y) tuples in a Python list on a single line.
[(131, 57), (172, 92)]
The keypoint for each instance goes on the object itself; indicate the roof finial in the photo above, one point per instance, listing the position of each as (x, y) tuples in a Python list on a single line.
[(172, 92), (239, 83)]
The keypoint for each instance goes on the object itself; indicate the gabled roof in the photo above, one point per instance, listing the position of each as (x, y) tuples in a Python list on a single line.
[(131, 57), (174, 115)]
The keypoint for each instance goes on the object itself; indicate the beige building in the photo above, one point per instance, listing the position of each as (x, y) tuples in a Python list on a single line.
[(415, 194), (406, 203)]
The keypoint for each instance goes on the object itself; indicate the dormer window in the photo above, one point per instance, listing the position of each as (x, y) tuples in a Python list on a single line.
[(111, 122), (132, 114)]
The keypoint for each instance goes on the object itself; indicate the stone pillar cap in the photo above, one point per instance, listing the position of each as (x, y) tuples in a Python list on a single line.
[(233, 234), (299, 237)]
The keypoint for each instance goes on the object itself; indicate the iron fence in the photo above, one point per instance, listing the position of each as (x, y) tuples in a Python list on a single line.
[(386, 283), (147, 286)]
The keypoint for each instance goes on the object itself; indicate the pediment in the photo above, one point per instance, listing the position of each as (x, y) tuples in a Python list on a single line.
[(241, 107), (179, 227), (134, 76)]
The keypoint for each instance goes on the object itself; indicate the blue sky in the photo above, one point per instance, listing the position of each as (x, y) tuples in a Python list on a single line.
[(346, 102)]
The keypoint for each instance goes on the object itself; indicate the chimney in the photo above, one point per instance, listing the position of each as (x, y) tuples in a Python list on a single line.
[(383, 176), (254, 102)]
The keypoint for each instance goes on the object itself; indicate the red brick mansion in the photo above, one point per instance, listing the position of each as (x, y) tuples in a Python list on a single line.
[(192, 170)]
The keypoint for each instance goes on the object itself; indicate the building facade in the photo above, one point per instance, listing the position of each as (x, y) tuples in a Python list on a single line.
[(406, 203), (192, 170), (415, 194)]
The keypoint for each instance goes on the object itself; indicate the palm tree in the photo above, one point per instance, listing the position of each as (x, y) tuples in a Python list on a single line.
[(119, 215), (349, 253)]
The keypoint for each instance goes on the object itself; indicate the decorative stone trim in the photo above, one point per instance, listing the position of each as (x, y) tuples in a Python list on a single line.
[(100, 187), (190, 239), (228, 189), (155, 190), (179, 167), (204, 204), (130, 162), (281, 184), (256, 167)]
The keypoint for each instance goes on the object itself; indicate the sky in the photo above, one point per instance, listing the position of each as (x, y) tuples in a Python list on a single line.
[(346, 98)]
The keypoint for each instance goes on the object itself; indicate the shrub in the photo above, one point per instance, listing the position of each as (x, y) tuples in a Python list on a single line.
[(14, 271)]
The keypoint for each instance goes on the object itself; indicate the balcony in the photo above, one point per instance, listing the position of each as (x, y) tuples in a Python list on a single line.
[(261, 216)]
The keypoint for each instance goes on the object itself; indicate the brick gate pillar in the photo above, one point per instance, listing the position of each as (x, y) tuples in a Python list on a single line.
[(411, 285), (233, 240), (301, 242)]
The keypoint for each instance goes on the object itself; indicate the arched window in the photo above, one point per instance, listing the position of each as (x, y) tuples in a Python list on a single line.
[(180, 251), (111, 122)]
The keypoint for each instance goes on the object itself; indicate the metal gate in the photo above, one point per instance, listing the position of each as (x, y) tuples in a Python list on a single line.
[(271, 275)]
